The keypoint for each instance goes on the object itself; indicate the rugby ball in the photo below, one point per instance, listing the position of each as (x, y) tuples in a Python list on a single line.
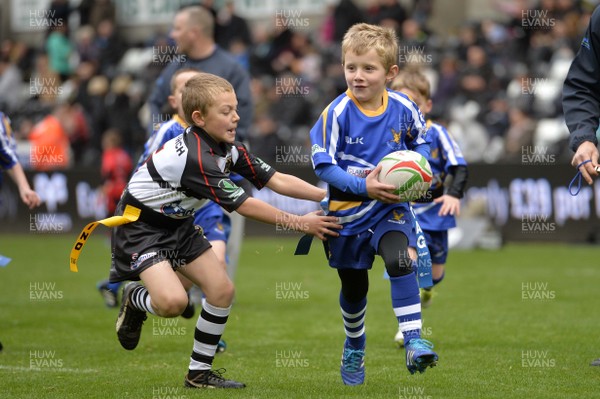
[(408, 171)]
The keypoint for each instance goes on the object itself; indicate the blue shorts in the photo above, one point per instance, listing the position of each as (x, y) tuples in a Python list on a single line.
[(358, 251), (214, 222), (437, 242)]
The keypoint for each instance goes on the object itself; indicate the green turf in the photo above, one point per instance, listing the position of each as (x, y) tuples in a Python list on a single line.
[(492, 342)]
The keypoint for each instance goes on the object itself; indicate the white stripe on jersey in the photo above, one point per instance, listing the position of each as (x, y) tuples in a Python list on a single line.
[(415, 115), (335, 128), (342, 155), (450, 147), (350, 218), (170, 169)]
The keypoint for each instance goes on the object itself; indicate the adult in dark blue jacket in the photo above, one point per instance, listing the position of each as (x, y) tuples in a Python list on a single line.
[(581, 100), (193, 33), (581, 103)]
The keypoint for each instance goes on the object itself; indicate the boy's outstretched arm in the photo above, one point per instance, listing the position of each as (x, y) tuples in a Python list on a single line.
[(28, 196), (312, 223), (292, 186), (367, 187)]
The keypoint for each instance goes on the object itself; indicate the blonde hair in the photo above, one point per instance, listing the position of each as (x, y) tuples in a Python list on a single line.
[(176, 74), (413, 80), (362, 37), (199, 93)]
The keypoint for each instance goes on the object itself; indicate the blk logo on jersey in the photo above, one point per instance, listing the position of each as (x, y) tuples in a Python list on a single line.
[(355, 140)]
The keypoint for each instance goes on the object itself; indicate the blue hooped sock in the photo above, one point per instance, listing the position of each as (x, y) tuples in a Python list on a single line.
[(407, 305), (354, 321)]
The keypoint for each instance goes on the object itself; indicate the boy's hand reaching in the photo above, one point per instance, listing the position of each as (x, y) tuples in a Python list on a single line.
[(380, 191), (314, 223), (450, 205)]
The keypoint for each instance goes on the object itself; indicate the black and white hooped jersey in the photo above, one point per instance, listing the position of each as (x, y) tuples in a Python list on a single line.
[(192, 169)]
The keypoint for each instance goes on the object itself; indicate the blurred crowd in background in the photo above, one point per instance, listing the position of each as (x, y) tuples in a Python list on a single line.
[(496, 83)]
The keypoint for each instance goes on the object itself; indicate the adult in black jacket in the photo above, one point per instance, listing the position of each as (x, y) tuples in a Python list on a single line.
[(581, 100)]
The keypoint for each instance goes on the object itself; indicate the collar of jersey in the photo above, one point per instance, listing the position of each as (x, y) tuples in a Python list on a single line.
[(179, 120), (368, 112), (219, 149)]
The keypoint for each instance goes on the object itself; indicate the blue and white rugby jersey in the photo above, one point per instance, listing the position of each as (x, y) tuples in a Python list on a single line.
[(8, 146), (356, 139), (167, 131), (445, 153)]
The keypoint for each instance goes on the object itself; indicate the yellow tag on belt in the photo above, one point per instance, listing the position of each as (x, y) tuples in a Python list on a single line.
[(131, 214)]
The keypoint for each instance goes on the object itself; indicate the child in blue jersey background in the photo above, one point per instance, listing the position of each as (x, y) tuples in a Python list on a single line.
[(351, 136), (450, 173)]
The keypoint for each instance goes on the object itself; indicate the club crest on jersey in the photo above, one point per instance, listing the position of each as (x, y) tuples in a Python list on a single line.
[(233, 191), (396, 142), (175, 209), (397, 218)]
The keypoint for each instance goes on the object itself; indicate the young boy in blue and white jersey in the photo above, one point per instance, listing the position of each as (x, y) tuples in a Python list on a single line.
[(352, 135), (448, 165)]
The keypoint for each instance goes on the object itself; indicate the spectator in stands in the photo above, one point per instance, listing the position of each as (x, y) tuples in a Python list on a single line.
[(193, 33), (86, 47), (60, 49), (230, 28), (116, 168), (11, 83), (100, 11), (49, 140), (388, 13), (110, 46), (520, 134)]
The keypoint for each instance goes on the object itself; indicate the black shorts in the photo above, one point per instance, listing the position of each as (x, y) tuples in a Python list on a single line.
[(138, 245)]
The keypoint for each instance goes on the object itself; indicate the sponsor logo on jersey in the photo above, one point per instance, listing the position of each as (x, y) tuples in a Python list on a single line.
[(175, 209), (135, 263), (264, 166), (354, 140), (233, 191), (179, 147), (358, 171)]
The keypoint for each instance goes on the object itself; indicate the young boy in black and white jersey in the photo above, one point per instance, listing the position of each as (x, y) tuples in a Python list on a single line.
[(178, 179)]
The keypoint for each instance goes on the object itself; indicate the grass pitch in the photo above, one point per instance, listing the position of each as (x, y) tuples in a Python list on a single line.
[(521, 322)]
